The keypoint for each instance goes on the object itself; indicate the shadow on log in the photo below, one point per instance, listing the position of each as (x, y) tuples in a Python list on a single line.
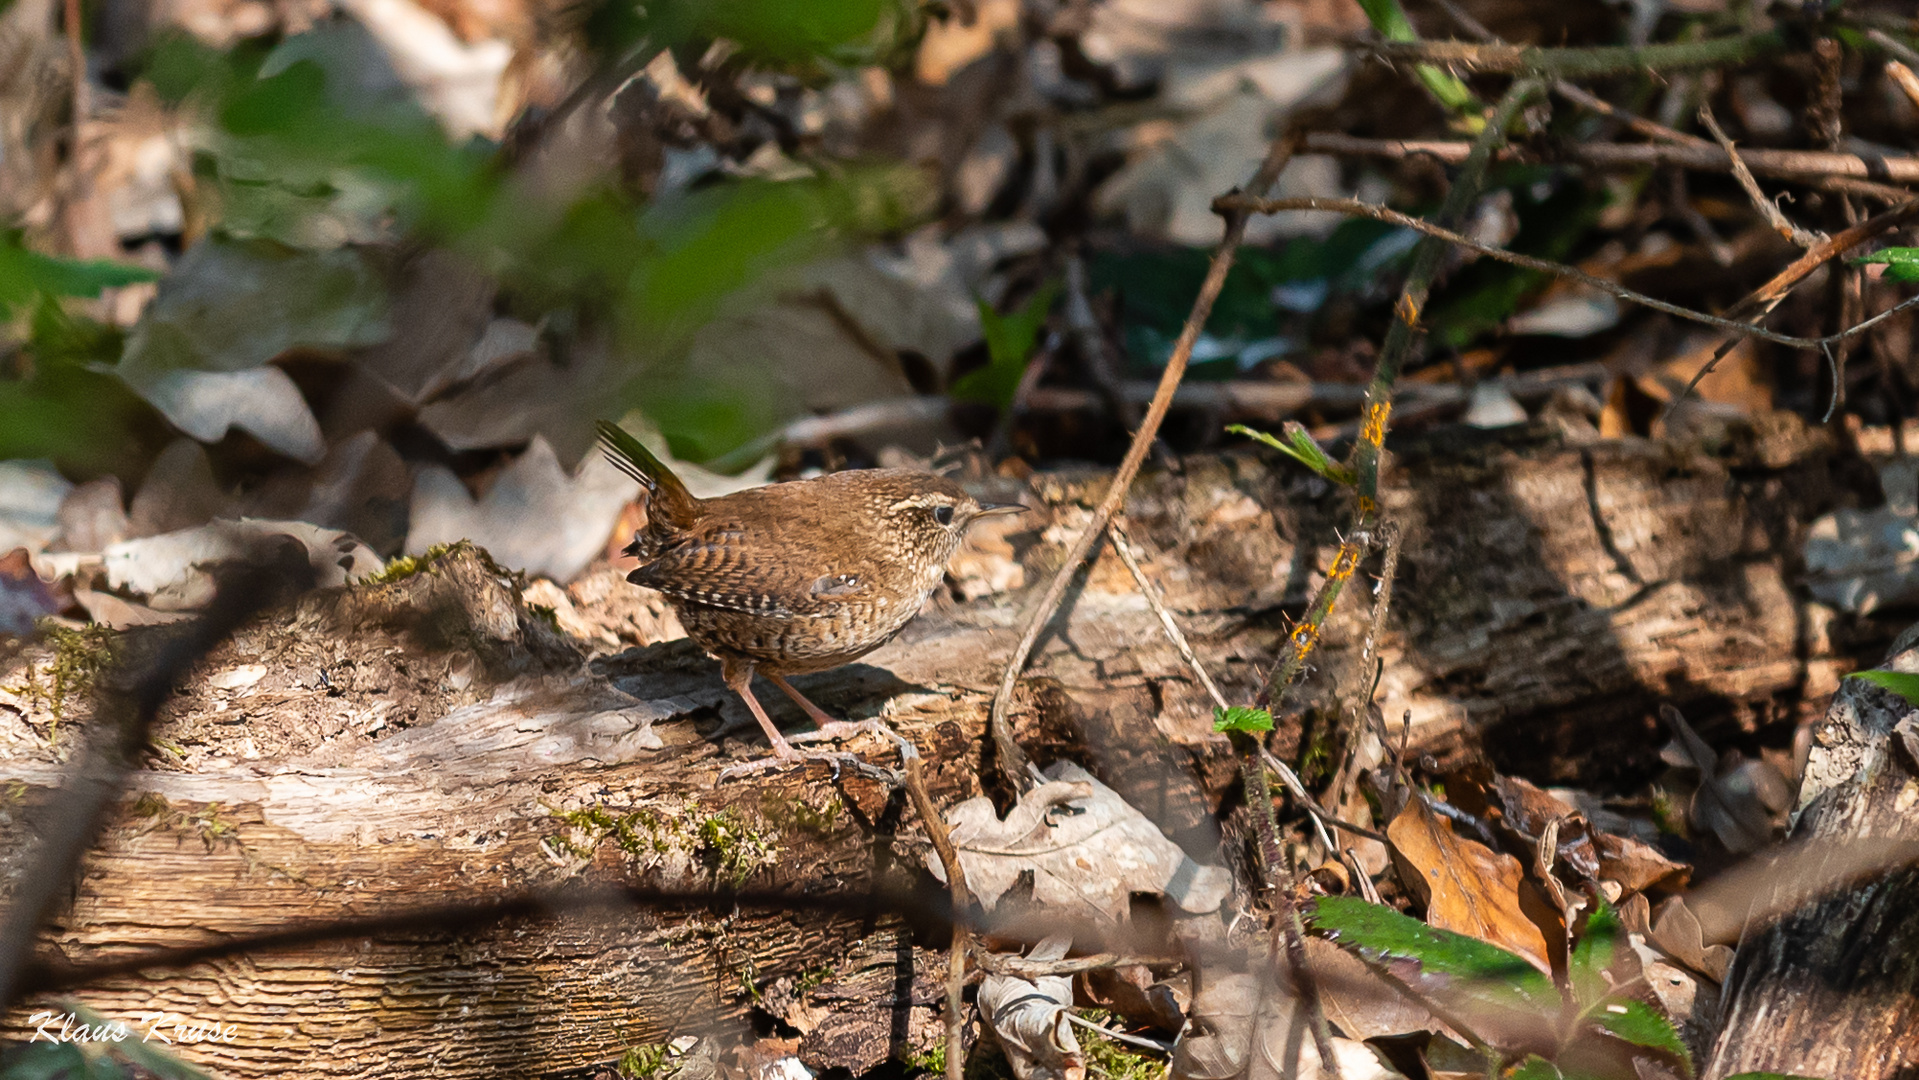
[(436, 740)]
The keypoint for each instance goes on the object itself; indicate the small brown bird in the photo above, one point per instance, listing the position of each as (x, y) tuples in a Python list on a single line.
[(797, 577)]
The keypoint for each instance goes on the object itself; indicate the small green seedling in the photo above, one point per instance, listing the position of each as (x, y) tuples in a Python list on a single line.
[(1242, 718), (1902, 263), (1299, 445)]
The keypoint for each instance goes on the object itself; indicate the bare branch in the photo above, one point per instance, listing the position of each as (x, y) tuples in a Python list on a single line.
[(1123, 545), (1012, 760), (1585, 63), (1801, 165), (1824, 252), (1768, 209)]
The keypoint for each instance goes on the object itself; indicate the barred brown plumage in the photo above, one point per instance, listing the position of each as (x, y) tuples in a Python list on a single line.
[(796, 577)]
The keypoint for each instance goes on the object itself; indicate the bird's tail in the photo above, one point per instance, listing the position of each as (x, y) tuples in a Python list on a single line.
[(667, 498)]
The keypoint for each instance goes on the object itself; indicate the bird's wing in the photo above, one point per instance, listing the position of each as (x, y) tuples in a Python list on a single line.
[(726, 568)]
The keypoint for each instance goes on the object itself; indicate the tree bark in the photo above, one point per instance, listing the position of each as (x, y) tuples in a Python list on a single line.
[(1831, 987)]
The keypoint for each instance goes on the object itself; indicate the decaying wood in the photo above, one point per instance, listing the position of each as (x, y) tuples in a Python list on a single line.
[(1830, 989), (435, 740)]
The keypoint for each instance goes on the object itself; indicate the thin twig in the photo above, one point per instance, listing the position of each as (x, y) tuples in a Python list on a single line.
[(1022, 968), (1400, 335), (1364, 463), (1387, 537), (1702, 230), (1279, 400), (1893, 45), (1298, 788), (1119, 1036), (1659, 132), (1090, 340), (1367, 890), (1013, 762), (942, 838), (1826, 251), (1651, 129), (1768, 209), (1276, 876), (1585, 62), (1123, 545), (1903, 77), (1799, 165), (1319, 815), (1769, 296)]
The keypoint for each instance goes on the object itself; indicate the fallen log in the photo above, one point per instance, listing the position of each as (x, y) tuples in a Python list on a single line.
[(1824, 981), (436, 741)]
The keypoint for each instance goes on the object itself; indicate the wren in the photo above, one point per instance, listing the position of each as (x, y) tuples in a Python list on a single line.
[(797, 577)]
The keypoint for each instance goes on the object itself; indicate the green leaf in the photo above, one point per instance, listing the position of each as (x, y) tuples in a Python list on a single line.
[(1640, 1024), (1448, 962), (26, 275), (782, 30), (55, 1061), (1389, 19), (145, 1053), (1242, 718), (1301, 447), (1594, 954), (1902, 263), (1010, 340), (1535, 1068), (1899, 682)]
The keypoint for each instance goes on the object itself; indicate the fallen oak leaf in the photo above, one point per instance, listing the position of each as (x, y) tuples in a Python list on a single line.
[(1087, 849), (1464, 885), (1029, 1018)]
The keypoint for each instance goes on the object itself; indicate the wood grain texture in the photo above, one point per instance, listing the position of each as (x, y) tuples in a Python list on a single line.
[(1830, 988)]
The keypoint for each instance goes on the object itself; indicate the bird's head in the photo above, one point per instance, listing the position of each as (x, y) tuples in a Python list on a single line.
[(929, 512)]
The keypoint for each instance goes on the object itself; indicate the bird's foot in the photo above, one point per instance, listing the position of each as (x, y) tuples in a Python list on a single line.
[(786, 755), (838, 759), (837, 730)]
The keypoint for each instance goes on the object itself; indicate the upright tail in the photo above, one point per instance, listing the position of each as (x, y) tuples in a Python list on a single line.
[(668, 501)]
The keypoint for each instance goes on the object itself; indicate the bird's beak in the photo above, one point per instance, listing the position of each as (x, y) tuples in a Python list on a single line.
[(989, 509)]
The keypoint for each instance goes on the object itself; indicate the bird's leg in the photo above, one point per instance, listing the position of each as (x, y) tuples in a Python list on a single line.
[(831, 729), (739, 677)]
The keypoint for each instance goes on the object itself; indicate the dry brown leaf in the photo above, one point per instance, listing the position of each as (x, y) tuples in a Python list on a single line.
[(1614, 420), (953, 43), (1087, 849), (1028, 1018), (1359, 1002), (1676, 931), (1594, 855), (1735, 381), (1239, 1027), (1465, 886)]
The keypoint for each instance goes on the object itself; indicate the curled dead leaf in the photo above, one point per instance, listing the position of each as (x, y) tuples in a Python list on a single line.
[(1466, 886)]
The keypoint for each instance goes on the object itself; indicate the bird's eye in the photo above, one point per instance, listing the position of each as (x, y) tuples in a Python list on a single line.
[(943, 515)]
